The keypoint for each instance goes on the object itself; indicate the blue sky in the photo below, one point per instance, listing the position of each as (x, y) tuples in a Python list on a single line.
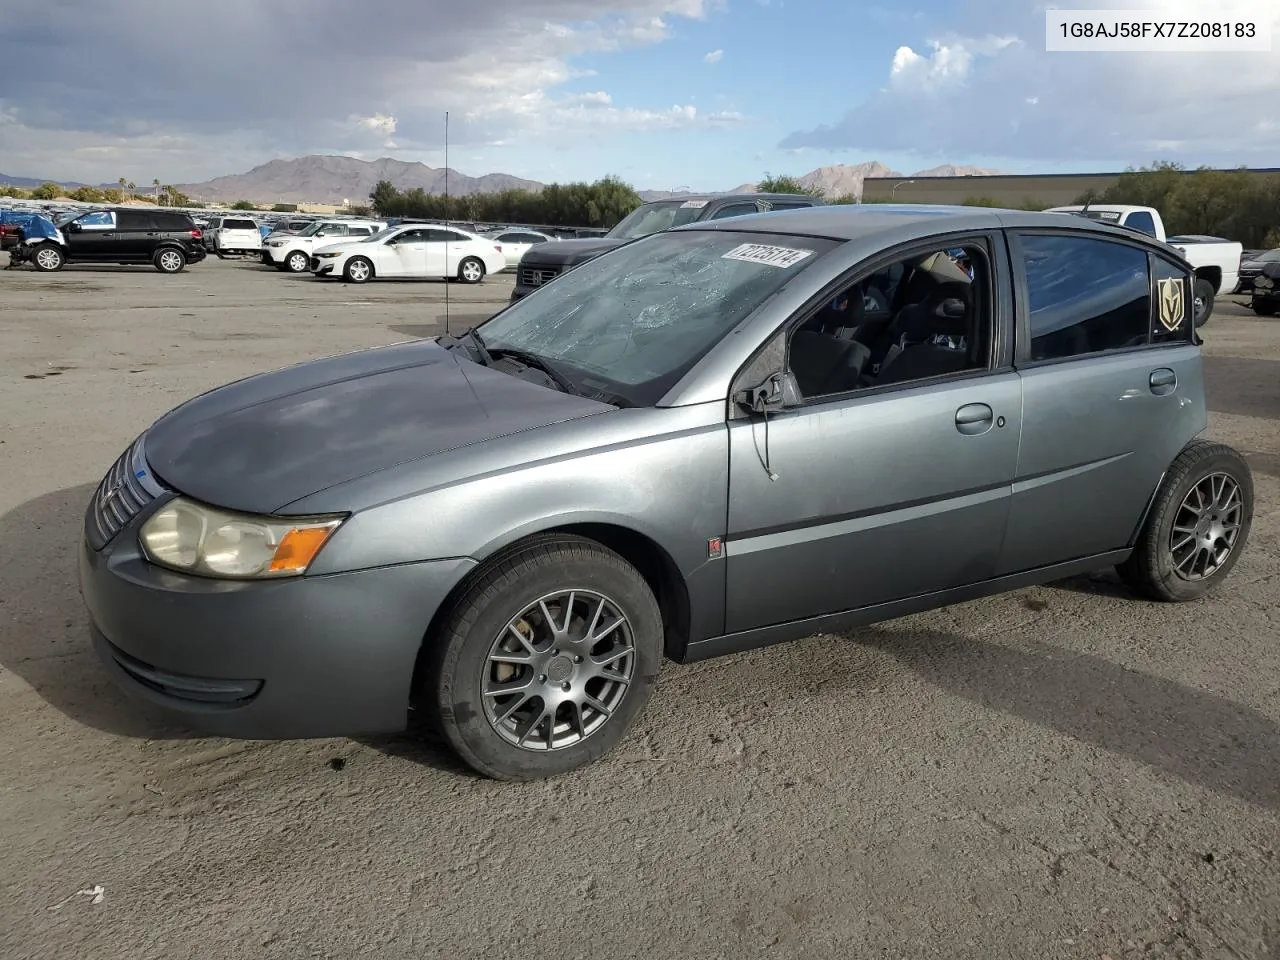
[(574, 89)]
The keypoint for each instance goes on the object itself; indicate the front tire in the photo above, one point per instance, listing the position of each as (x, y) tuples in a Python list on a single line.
[(297, 262), (544, 663), (358, 270), (1197, 528), (47, 258), (1264, 308), (471, 270), (1204, 293)]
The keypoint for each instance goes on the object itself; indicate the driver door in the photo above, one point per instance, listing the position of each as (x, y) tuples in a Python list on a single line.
[(861, 495), (409, 251)]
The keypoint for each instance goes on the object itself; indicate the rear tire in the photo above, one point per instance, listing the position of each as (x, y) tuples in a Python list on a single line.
[(47, 258), (471, 270), (169, 260), (496, 634), (1197, 528), (1204, 293), (1263, 308)]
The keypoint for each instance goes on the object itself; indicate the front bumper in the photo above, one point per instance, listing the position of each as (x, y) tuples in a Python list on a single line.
[(272, 255), (306, 657)]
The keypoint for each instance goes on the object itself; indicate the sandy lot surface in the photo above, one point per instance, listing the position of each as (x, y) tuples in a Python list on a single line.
[(1063, 772)]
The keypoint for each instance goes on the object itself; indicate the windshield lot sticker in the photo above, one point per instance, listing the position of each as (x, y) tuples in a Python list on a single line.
[(694, 204), (769, 255), (1172, 306)]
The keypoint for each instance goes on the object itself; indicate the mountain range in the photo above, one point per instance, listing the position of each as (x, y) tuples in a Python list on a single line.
[(333, 179)]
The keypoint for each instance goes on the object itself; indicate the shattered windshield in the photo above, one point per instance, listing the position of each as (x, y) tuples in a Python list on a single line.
[(656, 217), (633, 321)]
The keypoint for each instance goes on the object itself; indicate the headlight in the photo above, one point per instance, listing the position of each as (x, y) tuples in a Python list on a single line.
[(193, 538), (323, 255), (275, 243)]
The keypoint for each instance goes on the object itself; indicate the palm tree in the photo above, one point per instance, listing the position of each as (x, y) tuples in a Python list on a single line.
[(156, 183), (131, 186), (123, 184)]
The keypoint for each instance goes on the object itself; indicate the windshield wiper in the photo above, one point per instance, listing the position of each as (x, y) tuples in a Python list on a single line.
[(538, 363), (485, 357)]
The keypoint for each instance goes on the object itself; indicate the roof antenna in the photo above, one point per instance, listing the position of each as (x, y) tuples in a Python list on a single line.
[(447, 221)]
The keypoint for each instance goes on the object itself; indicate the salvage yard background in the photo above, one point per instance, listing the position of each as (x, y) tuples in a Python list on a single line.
[(1060, 772)]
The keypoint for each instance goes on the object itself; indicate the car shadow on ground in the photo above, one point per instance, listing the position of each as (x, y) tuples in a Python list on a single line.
[(44, 635), (1191, 734), (44, 631)]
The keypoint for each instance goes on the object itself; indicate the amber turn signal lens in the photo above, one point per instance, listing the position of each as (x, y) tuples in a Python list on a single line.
[(299, 547)]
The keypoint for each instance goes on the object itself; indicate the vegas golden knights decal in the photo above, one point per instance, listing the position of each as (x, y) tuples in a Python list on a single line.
[(1172, 304)]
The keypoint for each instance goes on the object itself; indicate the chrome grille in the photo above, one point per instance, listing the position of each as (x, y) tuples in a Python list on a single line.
[(123, 492), (537, 276)]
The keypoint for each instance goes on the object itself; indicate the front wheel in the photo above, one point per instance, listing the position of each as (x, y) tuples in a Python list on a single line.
[(358, 270), (1197, 527), (1264, 308), (544, 663), (170, 261), (47, 258), (471, 270), (1204, 294), (297, 262)]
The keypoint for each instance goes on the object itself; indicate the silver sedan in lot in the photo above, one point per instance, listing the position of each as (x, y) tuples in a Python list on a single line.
[(723, 436)]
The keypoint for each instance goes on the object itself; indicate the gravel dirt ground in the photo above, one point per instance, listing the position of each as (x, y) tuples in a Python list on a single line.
[(1062, 772)]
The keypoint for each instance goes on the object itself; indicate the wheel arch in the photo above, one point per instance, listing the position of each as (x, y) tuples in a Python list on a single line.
[(653, 562), (1211, 273)]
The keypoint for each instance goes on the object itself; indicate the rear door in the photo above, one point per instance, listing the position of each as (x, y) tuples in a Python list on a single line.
[(1112, 391), (136, 235)]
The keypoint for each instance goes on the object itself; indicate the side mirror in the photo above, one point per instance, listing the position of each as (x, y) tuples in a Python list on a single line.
[(75, 226), (776, 392)]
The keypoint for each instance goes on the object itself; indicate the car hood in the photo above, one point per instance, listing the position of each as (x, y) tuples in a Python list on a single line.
[(259, 444), (563, 252)]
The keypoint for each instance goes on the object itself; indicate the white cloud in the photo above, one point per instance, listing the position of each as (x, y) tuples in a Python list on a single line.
[(503, 77), (715, 56), (994, 92)]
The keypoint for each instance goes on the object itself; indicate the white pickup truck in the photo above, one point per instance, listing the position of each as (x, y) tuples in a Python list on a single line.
[(1216, 262)]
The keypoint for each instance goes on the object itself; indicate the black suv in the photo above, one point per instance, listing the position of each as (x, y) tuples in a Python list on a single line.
[(166, 239), (546, 261)]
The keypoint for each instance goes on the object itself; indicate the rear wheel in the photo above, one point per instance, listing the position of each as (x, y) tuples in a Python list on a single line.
[(471, 270), (1264, 308), (358, 270), (170, 260), (297, 262), (1204, 295), (1197, 528), (543, 664), (47, 258)]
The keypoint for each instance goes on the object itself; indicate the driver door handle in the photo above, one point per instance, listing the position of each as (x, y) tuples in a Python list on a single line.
[(974, 418)]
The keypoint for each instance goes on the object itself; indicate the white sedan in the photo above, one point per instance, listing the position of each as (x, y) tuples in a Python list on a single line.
[(516, 243), (419, 251)]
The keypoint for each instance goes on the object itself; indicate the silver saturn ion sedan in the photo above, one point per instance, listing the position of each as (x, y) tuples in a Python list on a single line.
[(711, 439)]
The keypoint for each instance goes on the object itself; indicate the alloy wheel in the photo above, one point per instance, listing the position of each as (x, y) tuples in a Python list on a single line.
[(358, 271), (49, 259), (1206, 527), (558, 671), (472, 271), (170, 261)]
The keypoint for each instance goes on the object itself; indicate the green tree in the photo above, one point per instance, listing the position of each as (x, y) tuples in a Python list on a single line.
[(88, 195), (16, 192), (47, 191), (786, 184), (243, 205), (599, 204)]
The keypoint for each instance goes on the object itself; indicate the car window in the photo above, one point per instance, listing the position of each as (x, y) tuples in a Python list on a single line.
[(654, 217), (928, 315), (1170, 320), (1085, 295), (1141, 220), (632, 321), (1268, 257), (360, 231), (734, 210), (239, 225), (135, 220), (445, 236), (790, 204), (97, 220), (413, 236)]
